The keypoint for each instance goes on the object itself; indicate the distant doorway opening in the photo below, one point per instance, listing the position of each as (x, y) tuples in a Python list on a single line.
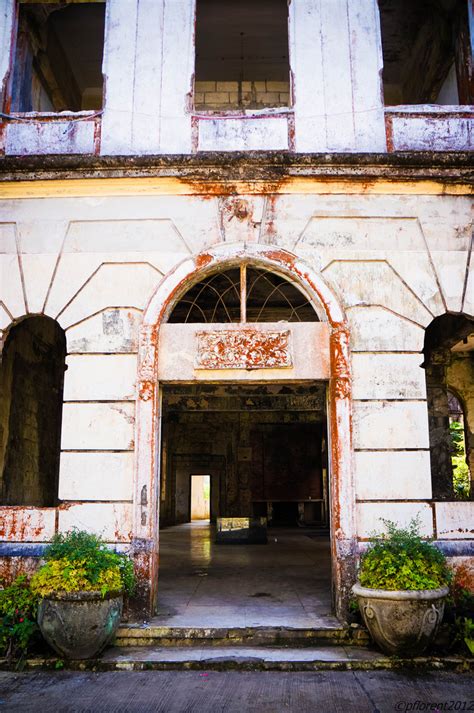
[(200, 497)]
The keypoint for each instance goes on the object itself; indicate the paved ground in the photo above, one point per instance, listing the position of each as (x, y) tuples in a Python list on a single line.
[(283, 583), (235, 692)]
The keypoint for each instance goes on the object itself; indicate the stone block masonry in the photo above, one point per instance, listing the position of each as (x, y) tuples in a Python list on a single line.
[(232, 96)]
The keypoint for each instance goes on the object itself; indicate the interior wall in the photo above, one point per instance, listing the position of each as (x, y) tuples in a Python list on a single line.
[(269, 445)]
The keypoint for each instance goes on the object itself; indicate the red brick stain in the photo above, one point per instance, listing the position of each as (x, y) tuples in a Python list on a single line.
[(291, 133), (16, 524), (212, 187), (339, 390), (194, 134), (269, 230), (12, 567), (389, 132), (3, 127), (97, 134), (202, 261)]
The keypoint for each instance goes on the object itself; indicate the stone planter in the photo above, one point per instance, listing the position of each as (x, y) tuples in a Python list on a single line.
[(78, 625), (401, 622)]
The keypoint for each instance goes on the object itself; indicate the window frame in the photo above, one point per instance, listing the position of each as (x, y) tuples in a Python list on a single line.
[(34, 115), (242, 112)]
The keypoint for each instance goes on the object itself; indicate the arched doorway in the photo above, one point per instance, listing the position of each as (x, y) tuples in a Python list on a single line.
[(155, 364)]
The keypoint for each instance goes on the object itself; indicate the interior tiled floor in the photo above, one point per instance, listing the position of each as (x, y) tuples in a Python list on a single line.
[(284, 583)]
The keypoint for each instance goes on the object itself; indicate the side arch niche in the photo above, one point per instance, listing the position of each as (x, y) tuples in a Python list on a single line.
[(31, 397)]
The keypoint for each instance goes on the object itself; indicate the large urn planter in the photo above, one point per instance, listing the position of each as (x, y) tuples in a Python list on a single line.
[(80, 589), (78, 625), (404, 622), (402, 587)]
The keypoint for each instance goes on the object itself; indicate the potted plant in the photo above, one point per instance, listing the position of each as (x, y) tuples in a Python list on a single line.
[(81, 588), (402, 589)]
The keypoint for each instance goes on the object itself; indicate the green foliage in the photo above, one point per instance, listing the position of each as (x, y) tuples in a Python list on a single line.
[(80, 561), (466, 626), (461, 480), (18, 628), (459, 608), (401, 559), (64, 576), (457, 438)]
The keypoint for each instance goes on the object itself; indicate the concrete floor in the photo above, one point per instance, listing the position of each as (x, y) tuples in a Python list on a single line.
[(234, 692), (284, 583)]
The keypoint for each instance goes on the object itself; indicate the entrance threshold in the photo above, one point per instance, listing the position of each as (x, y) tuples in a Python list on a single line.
[(284, 584)]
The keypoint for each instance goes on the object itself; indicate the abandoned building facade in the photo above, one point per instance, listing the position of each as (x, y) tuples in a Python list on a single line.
[(235, 241)]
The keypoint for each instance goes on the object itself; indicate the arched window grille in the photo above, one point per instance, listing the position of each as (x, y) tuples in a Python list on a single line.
[(241, 295)]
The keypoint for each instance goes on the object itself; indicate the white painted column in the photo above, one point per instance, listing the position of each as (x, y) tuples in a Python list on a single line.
[(148, 70), (147, 93), (178, 76), (365, 43), (119, 76), (336, 61)]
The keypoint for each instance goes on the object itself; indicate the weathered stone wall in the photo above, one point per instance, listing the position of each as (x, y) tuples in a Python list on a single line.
[(148, 66), (224, 96), (92, 263)]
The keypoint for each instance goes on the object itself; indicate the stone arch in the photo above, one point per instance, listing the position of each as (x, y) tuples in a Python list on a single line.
[(146, 487)]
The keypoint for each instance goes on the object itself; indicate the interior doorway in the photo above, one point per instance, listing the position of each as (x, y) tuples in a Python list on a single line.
[(200, 507), (250, 450), (262, 450)]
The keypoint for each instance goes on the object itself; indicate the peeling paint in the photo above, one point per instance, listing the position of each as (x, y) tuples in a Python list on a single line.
[(12, 567), (26, 524)]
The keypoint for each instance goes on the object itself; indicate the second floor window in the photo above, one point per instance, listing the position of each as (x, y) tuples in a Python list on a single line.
[(57, 64), (427, 52), (241, 55)]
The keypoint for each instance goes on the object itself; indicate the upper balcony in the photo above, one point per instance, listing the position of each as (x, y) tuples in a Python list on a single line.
[(314, 76)]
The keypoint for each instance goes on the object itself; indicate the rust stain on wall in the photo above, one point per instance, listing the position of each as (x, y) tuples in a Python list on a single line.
[(20, 524), (12, 567)]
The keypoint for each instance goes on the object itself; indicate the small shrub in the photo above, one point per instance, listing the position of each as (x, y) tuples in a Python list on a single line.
[(461, 479), (459, 609), (18, 628), (466, 631), (80, 561), (401, 559), (462, 591)]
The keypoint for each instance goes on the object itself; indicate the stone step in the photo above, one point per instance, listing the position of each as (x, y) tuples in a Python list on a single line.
[(153, 635), (246, 658)]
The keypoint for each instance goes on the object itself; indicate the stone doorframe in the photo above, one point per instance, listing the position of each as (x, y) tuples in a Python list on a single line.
[(148, 407)]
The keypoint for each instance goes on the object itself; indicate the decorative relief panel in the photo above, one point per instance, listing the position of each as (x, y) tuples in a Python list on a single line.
[(243, 349)]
